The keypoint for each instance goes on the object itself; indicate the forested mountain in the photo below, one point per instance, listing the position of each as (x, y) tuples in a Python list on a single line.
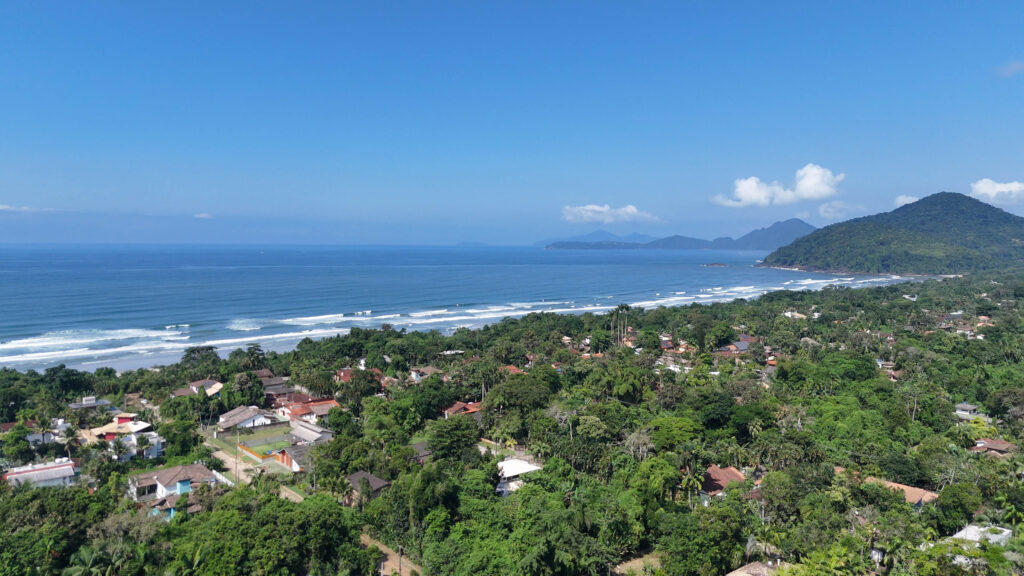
[(945, 233), (778, 234)]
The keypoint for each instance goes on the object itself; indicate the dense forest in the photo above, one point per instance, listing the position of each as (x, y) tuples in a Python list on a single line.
[(814, 399), (944, 233)]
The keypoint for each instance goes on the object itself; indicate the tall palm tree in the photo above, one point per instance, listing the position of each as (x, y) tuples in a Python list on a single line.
[(691, 485)]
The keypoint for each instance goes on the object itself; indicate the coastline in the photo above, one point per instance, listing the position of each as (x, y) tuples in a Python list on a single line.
[(279, 344)]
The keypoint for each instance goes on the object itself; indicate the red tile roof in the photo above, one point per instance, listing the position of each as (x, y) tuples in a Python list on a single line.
[(717, 478), (462, 408)]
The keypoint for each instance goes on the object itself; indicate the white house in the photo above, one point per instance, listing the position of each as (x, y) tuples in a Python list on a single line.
[(146, 445), (510, 471), (60, 472), (243, 417)]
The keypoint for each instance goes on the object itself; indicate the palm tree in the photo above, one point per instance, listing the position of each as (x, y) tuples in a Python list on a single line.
[(87, 561), (187, 563), (691, 485)]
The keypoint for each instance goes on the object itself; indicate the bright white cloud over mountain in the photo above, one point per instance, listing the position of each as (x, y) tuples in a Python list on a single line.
[(998, 192), (812, 182)]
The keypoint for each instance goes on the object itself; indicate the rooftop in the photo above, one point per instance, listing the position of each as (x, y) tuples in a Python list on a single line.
[(515, 467), (375, 482)]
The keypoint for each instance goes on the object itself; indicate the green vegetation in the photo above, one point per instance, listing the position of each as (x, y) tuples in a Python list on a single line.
[(863, 380), (944, 233)]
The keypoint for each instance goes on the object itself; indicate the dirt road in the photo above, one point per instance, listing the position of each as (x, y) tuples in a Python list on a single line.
[(391, 558), (244, 468)]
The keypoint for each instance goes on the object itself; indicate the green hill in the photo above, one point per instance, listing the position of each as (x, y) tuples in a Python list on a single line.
[(945, 233)]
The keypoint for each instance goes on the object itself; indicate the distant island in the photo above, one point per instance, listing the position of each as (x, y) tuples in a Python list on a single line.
[(945, 233), (770, 238)]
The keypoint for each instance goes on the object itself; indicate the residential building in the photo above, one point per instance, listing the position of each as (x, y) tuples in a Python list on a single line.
[(208, 387), (161, 490), (243, 417), (993, 447), (913, 495), (311, 411), (295, 458), (90, 403), (462, 408), (59, 472), (372, 484), (716, 479), (510, 472), (423, 452), (307, 433)]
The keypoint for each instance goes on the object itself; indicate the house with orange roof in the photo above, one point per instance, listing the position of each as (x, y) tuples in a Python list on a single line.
[(716, 479)]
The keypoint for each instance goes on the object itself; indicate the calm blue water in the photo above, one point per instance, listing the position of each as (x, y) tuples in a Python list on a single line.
[(131, 307)]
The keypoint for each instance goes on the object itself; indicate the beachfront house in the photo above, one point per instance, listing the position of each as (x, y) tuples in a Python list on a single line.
[(59, 472)]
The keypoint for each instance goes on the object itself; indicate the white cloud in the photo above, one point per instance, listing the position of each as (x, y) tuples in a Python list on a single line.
[(812, 183), (803, 215), (905, 199), (1011, 68), (9, 208), (998, 192), (203, 216), (837, 210), (606, 214)]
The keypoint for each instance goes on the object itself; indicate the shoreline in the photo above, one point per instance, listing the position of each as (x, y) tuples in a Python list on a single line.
[(447, 321)]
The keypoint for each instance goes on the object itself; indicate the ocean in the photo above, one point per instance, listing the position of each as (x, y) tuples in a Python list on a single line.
[(138, 306)]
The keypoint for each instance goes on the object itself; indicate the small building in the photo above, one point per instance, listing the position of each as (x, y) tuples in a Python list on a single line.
[(462, 408), (716, 479), (510, 472), (988, 534), (423, 452), (912, 494), (993, 447), (373, 484), (207, 387), (510, 369), (243, 417), (59, 472), (420, 374), (295, 458), (308, 433), (148, 445), (90, 403), (965, 411)]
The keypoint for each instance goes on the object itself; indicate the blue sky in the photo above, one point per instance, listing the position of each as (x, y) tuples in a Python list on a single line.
[(436, 122)]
